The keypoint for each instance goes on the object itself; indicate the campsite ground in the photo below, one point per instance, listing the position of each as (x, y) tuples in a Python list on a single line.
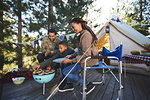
[(1, 86), (136, 87), (141, 69)]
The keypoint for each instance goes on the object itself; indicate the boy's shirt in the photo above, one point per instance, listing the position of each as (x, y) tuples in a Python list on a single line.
[(49, 61)]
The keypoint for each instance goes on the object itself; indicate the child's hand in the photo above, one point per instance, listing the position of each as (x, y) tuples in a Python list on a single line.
[(36, 67), (66, 61), (68, 56)]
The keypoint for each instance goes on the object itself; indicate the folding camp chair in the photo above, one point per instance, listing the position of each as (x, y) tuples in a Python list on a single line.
[(113, 55)]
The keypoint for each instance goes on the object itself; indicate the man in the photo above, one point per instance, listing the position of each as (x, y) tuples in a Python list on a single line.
[(49, 46)]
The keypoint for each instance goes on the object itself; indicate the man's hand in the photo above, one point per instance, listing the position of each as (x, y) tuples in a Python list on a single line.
[(66, 61), (36, 67), (47, 52)]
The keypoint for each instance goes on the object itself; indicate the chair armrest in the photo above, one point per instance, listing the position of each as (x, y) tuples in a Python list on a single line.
[(98, 57), (104, 57)]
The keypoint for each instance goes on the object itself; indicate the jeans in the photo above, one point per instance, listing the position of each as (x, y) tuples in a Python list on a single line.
[(73, 75), (62, 66)]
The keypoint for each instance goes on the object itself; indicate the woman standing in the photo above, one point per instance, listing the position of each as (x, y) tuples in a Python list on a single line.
[(87, 47)]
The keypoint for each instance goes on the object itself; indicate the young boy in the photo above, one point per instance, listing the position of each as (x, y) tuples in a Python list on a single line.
[(63, 51)]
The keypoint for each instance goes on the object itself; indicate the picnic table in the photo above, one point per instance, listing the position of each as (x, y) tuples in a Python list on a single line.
[(138, 59)]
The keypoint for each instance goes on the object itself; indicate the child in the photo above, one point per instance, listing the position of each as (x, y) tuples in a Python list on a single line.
[(63, 51)]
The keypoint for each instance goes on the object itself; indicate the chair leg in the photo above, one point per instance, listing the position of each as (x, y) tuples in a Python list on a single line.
[(102, 81), (84, 77), (103, 76), (120, 95), (120, 85), (114, 76)]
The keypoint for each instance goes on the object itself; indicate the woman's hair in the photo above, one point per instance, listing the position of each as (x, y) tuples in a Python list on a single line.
[(84, 26)]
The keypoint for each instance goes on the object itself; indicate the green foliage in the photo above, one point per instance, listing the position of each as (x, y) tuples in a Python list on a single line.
[(135, 13), (36, 16), (67, 10), (59, 18), (140, 14)]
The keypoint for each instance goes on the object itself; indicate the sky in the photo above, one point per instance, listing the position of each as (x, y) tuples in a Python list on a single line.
[(106, 7), (104, 15)]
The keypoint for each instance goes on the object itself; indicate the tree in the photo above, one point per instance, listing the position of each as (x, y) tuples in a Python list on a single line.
[(65, 11), (1, 36), (12, 9), (41, 14), (19, 33), (137, 15), (141, 15), (6, 33), (50, 14), (58, 16)]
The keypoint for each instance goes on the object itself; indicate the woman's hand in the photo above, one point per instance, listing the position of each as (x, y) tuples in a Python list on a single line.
[(68, 56), (66, 61), (36, 67)]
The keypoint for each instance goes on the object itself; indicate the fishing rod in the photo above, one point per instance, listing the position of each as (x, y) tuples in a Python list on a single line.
[(69, 72)]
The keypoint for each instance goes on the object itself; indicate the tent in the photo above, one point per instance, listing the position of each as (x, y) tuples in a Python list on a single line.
[(114, 32)]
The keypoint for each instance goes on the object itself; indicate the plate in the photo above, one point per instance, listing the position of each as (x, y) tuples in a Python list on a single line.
[(59, 60)]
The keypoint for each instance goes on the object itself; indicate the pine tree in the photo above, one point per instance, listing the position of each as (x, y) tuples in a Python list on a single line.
[(9, 31), (59, 18), (135, 13), (141, 15), (1, 35)]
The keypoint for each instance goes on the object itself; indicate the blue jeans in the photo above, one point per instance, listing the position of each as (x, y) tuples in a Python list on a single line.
[(62, 66), (73, 75)]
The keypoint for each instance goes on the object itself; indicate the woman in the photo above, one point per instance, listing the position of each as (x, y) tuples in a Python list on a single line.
[(86, 48)]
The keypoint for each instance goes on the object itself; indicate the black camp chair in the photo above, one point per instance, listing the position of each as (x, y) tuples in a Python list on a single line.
[(114, 55)]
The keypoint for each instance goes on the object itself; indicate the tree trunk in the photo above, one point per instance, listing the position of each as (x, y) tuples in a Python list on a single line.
[(50, 13), (1, 36), (19, 35), (141, 10)]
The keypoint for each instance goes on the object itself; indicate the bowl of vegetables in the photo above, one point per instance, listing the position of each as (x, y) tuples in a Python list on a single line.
[(18, 80)]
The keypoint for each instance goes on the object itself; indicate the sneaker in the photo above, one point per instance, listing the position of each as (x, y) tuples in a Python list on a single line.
[(62, 85), (89, 89), (67, 87)]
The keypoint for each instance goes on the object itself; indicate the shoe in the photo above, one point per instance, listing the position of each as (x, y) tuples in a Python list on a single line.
[(67, 87), (89, 89), (62, 85)]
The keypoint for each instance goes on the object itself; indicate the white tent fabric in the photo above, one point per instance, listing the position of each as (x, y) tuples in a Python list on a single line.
[(131, 32), (121, 32)]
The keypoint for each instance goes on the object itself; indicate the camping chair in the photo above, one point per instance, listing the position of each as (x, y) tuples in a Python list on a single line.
[(114, 55)]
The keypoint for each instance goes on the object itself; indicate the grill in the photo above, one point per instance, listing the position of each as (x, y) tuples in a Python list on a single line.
[(42, 79)]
